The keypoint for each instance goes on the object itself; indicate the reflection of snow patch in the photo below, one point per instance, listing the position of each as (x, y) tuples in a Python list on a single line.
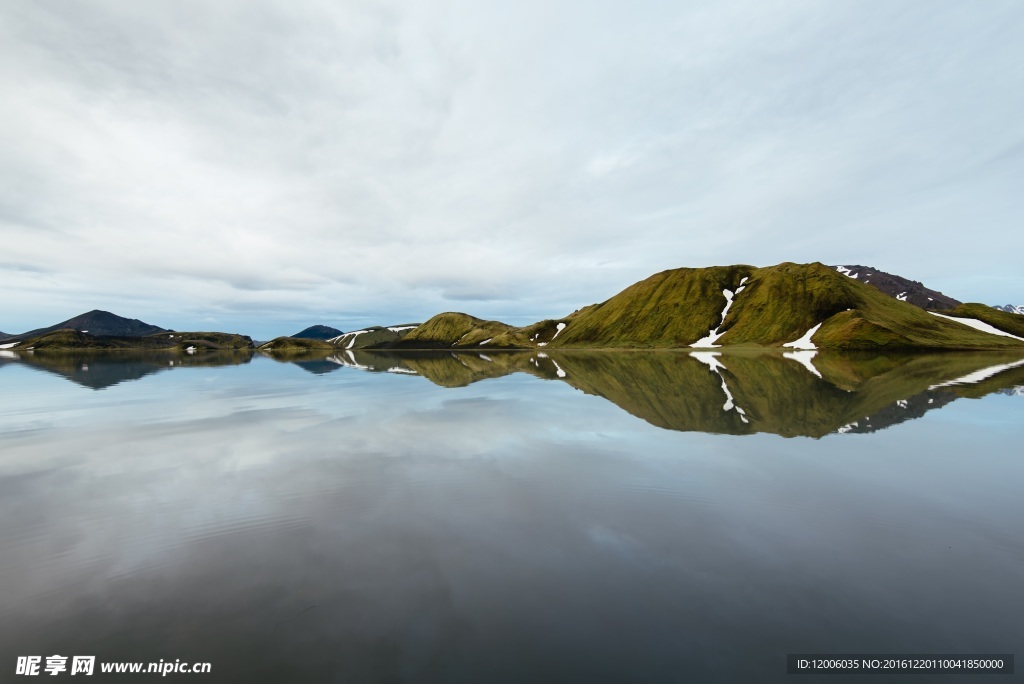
[(558, 369), (804, 359), (805, 341), (979, 375), (977, 325), (847, 428), (485, 357), (710, 359), (902, 403)]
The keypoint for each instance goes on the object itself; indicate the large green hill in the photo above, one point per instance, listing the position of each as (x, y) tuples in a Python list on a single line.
[(763, 307)]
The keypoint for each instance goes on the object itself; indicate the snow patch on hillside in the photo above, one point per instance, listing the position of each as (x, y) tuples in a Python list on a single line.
[(977, 325), (713, 335), (805, 341)]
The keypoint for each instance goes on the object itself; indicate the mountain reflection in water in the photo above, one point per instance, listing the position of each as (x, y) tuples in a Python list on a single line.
[(792, 394)]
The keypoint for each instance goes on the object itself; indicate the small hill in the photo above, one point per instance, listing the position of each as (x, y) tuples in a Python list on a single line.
[(374, 337), (294, 344), (454, 329), (184, 342), (898, 287), (98, 322), (318, 332)]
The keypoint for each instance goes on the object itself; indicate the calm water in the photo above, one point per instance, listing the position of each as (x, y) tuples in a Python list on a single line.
[(622, 517)]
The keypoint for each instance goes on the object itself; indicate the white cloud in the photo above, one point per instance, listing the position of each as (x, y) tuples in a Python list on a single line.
[(336, 163)]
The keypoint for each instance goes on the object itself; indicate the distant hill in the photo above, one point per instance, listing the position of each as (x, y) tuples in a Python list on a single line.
[(903, 289), (318, 332), (100, 323), (5, 336), (1008, 308)]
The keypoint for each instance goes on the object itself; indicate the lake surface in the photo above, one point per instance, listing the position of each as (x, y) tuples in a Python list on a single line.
[(561, 517)]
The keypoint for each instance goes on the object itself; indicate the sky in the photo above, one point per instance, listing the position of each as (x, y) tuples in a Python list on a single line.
[(258, 166)]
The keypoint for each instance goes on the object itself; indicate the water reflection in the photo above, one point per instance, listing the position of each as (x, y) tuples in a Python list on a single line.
[(100, 370), (792, 394)]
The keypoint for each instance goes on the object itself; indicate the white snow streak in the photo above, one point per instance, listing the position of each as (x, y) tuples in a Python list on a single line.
[(805, 341), (713, 335), (978, 325), (561, 327), (8, 346)]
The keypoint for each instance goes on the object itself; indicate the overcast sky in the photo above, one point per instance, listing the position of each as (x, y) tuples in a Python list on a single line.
[(258, 167)]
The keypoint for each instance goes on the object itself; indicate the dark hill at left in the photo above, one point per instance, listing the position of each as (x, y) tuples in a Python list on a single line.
[(100, 323)]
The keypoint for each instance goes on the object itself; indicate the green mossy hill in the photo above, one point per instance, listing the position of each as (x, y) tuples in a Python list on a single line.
[(670, 309), (373, 337), (73, 339), (771, 306), (458, 330), (1004, 320), (295, 344)]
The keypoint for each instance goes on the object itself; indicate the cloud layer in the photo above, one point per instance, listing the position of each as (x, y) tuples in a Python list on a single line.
[(261, 166)]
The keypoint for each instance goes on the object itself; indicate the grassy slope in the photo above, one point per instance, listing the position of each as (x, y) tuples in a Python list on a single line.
[(670, 309)]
